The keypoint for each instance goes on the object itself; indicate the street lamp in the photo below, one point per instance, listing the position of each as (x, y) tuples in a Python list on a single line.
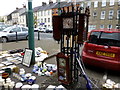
[(31, 30)]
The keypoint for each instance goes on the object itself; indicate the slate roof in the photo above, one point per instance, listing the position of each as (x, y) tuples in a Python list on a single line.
[(52, 5), (35, 9), (62, 4), (17, 10), (23, 13), (47, 7)]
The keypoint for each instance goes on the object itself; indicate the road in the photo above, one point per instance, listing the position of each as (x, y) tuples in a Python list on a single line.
[(47, 43), (43, 35)]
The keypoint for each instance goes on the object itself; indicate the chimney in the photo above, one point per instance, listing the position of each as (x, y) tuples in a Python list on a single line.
[(16, 8), (24, 6), (43, 3), (50, 1)]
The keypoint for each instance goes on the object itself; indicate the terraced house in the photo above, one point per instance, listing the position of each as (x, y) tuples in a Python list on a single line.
[(104, 14)]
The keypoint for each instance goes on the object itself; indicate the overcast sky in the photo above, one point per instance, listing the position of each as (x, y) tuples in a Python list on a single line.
[(7, 6)]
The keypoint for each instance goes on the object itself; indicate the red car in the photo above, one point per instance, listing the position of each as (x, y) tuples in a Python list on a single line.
[(102, 49)]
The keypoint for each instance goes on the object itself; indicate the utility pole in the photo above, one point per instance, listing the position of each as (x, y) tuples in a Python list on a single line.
[(31, 31)]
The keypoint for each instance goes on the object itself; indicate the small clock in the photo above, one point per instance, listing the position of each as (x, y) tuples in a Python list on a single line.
[(62, 62), (67, 23)]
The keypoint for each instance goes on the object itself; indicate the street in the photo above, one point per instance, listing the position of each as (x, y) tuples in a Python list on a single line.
[(47, 43), (43, 35)]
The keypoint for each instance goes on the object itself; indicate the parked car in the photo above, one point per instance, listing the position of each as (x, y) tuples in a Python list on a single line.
[(36, 29), (102, 49), (2, 27), (49, 30), (42, 29), (9, 33)]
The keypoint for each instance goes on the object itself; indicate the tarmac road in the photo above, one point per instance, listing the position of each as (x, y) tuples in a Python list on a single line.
[(51, 46)]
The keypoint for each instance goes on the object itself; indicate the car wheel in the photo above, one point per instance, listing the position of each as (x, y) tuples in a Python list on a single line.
[(26, 37), (4, 40)]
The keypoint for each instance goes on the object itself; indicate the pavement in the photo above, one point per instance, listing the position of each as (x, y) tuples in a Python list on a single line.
[(53, 47)]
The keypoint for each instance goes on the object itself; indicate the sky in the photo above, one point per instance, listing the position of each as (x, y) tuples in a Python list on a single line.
[(7, 6)]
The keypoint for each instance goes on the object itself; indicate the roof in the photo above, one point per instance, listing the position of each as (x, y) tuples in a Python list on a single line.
[(47, 7), (17, 10), (52, 5), (35, 9), (23, 13), (62, 4)]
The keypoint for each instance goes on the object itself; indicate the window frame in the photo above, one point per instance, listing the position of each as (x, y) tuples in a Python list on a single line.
[(94, 14), (103, 3), (95, 4), (110, 16), (109, 26), (102, 15), (112, 2), (118, 12), (101, 26)]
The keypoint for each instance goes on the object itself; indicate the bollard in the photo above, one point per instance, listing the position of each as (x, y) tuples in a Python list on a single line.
[(38, 35), (16, 37)]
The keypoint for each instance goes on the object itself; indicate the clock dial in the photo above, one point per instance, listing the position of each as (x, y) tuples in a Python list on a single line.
[(67, 23), (62, 62)]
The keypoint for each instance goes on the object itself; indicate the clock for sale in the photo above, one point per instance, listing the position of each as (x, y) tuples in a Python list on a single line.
[(67, 23)]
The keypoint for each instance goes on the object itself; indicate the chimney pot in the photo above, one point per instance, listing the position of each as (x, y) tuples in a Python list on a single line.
[(43, 3), (50, 1), (16, 8)]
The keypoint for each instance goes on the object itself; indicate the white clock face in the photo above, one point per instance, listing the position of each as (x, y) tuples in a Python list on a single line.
[(62, 62), (67, 23)]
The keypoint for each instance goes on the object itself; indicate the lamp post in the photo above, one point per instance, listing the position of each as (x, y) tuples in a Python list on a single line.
[(31, 31)]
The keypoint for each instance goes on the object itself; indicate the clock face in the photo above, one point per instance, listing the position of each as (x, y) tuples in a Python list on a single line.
[(67, 23), (62, 62)]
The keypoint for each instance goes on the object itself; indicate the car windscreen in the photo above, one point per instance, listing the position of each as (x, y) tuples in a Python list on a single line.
[(7, 29), (104, 38)]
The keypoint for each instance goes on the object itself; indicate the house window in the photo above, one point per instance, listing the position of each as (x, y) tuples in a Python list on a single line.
[(94, 14), (91, 27), (37, 13), (48, 12), (57, 11), (96, 4), (41, 20), (45, 20), (52, 11), (48, 26), (111, 2), (118, 14), (101, 26), (118, 2), (89, 4), (44, 13), (48, 19), (82, 4), (111, 12), (103, 3), (109, 26), (102, 15), (41, 13)]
